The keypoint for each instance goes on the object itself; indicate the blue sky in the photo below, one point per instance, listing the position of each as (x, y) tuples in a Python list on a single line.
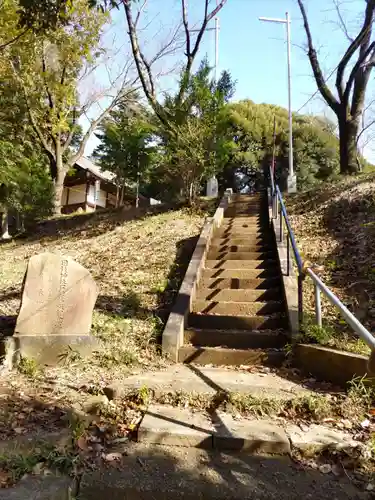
[(254, 51)]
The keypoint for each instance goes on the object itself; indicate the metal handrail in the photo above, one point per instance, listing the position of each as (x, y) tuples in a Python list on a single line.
[(303, 271), (357, 326), (290, 231)]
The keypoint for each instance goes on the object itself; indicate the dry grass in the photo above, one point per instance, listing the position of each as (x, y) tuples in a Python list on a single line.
[(335, 229), (138, 265)]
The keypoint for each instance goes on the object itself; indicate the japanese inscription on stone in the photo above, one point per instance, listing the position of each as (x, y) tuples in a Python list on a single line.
[(58, 297)]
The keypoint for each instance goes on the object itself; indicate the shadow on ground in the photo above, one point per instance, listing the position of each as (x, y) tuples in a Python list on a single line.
[(165, 473), (88, 225), (152, 472)]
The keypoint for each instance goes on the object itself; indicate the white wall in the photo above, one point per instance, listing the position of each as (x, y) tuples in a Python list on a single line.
[(102, 197)]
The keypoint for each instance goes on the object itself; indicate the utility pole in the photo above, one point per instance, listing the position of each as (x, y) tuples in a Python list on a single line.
[(138, 179), (212, 187), (292, 182)]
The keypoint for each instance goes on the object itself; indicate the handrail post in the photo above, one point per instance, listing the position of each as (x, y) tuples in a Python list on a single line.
[(276, 205), (318, 306), (300, 300), (287, 255), (281, 225)]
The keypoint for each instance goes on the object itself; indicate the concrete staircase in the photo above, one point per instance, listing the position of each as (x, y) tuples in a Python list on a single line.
[(238, 316)]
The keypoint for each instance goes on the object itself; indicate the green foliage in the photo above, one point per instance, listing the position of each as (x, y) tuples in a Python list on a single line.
[(26, 185), (28, 367), (320, 334), (126, 147), (45, 15), (316, 153), (195, 146), (44, 68)]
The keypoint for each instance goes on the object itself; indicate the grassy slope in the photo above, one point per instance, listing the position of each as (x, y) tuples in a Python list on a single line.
[(335, 229), (138, 265)]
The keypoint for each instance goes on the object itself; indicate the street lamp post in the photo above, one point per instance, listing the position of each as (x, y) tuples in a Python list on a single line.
[(292, 182)]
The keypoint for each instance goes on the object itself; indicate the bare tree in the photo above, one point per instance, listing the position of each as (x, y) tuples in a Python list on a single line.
[(348, 101), (144, 65)]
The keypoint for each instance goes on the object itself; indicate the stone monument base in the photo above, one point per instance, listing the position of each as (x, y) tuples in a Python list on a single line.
[(47, 350)]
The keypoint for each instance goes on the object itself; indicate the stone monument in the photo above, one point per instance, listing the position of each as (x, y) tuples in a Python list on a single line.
[(58, 299), (212, 189)]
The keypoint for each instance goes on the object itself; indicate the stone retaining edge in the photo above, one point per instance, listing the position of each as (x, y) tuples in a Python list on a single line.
[(331, 365), (173, 334)]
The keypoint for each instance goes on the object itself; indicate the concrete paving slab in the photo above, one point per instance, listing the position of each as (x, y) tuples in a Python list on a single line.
[(258, 437), (209, 380), (173, 426), (318, 437)]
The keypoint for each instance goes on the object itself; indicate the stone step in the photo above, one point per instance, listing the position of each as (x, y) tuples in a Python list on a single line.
[(210, 284), (239, 295), (241, 264), (256, 232), (236, 339), (230, 357), (237, 308), (223, 322), (207, 380), (240, 221), (250, 247), (237, 227), (223, 255), (262, 239), (242, 213), (240, 274), (171, 426)]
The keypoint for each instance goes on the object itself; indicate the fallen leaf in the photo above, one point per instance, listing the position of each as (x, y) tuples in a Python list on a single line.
[(110, 457), (18, 430), (366, 423), (5, 478), (370, 487), (82, 443), (329, 420), (325, 468), (37, 469)]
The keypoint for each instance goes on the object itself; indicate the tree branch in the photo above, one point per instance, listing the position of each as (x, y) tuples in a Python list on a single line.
[(364, 129), (319, 78), (71, 132), (361, 41), (9, 42), (191, 54), (44, 67), (341, 21), (94, 124), (33, 120), (356, 68)]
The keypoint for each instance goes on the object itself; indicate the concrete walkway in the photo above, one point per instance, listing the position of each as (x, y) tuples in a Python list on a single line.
[(210, 380)]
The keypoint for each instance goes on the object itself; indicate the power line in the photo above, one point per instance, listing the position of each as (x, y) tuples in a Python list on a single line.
[(317, 91)]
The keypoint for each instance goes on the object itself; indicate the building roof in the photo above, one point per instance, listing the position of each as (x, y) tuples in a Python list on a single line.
[(88, 165)]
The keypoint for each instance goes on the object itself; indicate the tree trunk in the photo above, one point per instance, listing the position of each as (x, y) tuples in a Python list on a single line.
[(348, 130), (4, 225), (58, 183)]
